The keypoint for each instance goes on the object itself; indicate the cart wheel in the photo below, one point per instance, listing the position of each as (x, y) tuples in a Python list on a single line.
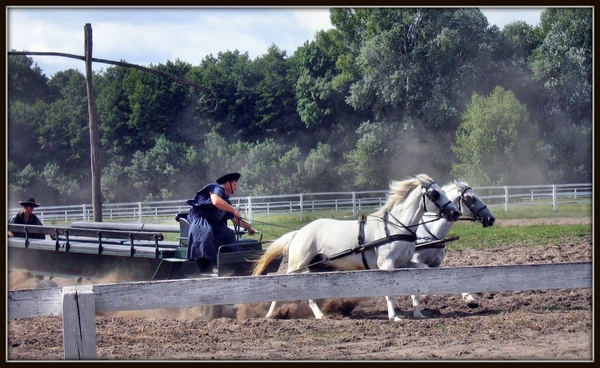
[(210, 312)]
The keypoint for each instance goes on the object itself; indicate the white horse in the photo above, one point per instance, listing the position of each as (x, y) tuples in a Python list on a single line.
[(435, 228), (318, 242)]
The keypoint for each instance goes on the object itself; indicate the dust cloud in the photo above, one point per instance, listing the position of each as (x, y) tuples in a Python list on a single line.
[(298, 309)]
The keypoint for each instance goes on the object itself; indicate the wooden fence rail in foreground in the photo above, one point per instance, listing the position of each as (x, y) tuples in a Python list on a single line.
[(79, 304)]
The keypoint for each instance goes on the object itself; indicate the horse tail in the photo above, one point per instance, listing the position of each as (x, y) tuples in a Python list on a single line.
[(277, 249)]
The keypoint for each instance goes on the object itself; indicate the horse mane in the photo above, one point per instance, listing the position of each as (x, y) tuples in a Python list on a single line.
[(459, 184), (399, 191)]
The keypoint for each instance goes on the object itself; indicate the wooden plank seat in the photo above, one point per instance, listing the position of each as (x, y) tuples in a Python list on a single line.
[(140, 243), (98, 233), (107, 248), (95, 240), (126, 226)]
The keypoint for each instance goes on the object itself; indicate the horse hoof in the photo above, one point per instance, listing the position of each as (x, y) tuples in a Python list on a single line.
[(396, 319), (472, 304), (419, 316)]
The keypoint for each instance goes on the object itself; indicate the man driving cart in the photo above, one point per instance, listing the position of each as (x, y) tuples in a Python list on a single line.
[(211, 208)]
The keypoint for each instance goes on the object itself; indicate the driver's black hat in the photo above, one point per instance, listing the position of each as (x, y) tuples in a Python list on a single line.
[(229, 177)]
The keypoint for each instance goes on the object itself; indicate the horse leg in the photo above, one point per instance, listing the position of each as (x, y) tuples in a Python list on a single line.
[(416, 299), (417, 307), (470, 300), (315, 308), (271, 310), (388, 264), (391, 309)]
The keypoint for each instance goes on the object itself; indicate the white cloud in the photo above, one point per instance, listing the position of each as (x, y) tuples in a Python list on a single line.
[(503, 16), (157, 35)]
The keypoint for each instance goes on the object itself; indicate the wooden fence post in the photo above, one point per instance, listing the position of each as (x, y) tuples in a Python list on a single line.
[(79, 323)]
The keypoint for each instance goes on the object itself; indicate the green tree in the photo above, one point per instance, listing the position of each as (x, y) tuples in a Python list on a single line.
[(269, 168), (319, 171), (233, 79), (275, 107), (25, 80), (113, 180), (114, 110), (155, 103), (24, 124), (418, 68), (155, 172), (320, 101), (496, 142), (25, 182), (562, 63), (512, 49), (367, 164), (64, 136)]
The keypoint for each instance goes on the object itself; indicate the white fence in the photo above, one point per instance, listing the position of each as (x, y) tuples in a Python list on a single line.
[(304, 203), (78, 305)]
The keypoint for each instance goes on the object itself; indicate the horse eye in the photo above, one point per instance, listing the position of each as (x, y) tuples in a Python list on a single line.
[(469, 200), (434, 195)]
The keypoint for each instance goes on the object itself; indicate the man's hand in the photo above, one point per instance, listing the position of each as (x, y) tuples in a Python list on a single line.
[(251, 231)]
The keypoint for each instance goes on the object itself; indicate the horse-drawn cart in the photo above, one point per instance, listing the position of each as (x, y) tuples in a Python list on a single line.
[(127, 251)]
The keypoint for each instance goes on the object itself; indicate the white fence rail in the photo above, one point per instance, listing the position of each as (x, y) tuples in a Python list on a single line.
[(304, 203), (78, 305)]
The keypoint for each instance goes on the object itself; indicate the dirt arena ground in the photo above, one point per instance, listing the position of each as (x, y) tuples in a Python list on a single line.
[(532, 325)]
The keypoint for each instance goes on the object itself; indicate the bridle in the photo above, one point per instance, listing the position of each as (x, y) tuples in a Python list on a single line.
[(469, 202), (427, 191), (471, 205)]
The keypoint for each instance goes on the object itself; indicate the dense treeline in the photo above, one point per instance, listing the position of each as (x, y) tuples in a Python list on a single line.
[(385, 94)]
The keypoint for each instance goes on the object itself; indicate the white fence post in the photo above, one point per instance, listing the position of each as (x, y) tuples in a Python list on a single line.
[(505, 199), (554, 203), (139, 212), (353, 204), (301, 207), (250, 209), (79, 323)]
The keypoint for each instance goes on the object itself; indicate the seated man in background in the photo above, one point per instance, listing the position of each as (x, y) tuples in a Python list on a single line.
[(26, 217)]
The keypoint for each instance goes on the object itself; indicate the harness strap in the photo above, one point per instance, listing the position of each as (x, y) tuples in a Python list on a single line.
[(361, 248), (362, 220), (440, 243)]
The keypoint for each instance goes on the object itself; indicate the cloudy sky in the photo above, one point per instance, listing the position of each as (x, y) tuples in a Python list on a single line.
[(149, 35)]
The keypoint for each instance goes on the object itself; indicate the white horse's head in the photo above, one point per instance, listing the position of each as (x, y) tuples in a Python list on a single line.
[(469, 203), (432, 196)]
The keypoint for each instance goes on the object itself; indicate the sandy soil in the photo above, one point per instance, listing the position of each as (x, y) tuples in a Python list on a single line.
[(532, 325)]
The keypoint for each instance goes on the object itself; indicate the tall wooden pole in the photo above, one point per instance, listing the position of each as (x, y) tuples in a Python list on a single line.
[(94, 139)]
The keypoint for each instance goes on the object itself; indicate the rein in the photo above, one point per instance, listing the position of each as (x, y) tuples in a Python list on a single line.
[(438, 243)]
